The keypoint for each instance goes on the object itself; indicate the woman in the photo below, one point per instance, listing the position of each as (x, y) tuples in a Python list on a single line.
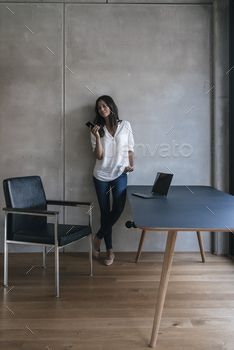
[(113, 146)]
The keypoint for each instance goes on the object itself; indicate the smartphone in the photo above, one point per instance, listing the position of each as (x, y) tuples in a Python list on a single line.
[(90, 124)]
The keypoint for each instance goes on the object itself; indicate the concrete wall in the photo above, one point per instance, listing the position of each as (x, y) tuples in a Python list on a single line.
[(155, 60)]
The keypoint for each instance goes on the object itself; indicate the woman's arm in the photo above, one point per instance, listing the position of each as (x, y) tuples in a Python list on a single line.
[(98, 149), (131, 158), (130, 168)]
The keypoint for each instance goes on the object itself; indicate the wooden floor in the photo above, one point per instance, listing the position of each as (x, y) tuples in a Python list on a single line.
[(114, 309)]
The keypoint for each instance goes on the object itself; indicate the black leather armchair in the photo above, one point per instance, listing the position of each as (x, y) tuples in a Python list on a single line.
[(26, 221)]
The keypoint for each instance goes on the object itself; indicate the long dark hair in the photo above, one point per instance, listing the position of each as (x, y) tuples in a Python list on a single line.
[(113, 117)]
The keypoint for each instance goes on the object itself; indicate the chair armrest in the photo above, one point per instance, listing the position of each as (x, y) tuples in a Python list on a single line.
[(69, 203), (31, 211)]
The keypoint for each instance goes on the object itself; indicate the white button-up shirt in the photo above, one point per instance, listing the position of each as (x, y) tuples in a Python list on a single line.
[(115, 152)]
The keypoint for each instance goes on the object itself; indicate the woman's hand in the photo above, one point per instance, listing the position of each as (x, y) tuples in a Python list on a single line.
[(94, 131), (128, 169), (98, 149)]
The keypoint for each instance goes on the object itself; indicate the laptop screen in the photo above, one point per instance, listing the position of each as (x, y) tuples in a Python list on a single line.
[(162, 183)]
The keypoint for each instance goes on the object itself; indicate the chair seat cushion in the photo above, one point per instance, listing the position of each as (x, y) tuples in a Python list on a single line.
[(45, 234)]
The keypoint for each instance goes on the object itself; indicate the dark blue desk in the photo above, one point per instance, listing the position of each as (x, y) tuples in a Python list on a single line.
[(187, 208)]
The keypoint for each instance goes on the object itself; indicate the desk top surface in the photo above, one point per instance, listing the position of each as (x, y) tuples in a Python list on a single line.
[(186, 208)]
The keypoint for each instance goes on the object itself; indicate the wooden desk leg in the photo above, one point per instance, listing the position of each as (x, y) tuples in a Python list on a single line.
[(140, 245), (166, 268), (199, 237)]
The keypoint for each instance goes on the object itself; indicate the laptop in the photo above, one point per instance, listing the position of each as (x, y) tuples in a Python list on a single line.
[(160, 188)]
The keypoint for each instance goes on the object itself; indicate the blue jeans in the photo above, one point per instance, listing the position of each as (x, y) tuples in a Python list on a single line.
[(110, 217)]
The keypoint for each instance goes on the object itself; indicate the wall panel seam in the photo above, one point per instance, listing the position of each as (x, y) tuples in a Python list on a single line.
[(64, 108)]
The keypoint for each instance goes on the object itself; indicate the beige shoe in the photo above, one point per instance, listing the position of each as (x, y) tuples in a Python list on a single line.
[(109, 261)]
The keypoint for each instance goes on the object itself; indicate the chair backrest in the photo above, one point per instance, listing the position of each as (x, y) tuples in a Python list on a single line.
[(28, 193)]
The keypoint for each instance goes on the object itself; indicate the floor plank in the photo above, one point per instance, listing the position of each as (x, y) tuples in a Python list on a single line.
[(114, 309)]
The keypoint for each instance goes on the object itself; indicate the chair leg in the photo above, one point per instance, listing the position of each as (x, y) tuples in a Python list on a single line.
[(44, 257), (56, 255), (56, 252), (5, 264), (199, 237), (90, 256), (5, 254)]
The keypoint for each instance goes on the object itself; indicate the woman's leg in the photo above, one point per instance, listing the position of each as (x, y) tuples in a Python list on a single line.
[(103, 195), (118, 187), (119, 195), (119, 198)]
